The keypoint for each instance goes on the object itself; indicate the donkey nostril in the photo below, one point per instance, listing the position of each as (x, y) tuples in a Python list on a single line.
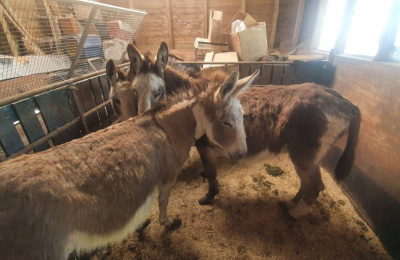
[(240, 156)]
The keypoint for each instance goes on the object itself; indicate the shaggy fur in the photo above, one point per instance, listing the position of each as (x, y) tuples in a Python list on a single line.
[(96, 190), (303, 119)]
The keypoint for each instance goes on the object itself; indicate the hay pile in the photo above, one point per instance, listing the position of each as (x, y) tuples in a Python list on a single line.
[(247, 220)]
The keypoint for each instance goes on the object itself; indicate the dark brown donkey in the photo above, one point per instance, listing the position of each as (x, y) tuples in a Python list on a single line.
[(304, 120), (96, 190)]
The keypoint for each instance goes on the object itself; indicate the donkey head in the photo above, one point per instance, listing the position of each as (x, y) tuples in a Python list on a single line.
[(123, 100), (219, 115), (148, 76)]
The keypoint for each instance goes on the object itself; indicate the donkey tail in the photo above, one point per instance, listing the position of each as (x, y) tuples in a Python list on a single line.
[(345, 162)]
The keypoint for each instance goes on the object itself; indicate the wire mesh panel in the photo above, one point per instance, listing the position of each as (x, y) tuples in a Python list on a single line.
[(46, 41)]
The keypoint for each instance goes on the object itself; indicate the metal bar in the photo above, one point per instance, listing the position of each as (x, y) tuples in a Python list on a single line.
[(33, 92), (45, 138), (133, 38), (102, 6), (82, 41), (91, 111)]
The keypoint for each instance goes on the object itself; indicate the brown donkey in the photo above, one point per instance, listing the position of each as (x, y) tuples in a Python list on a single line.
[(96, 190), (304, 120)]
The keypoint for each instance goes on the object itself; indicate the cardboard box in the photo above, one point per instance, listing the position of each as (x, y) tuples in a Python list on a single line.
[(225, 57), (215, 27), (250, 44)]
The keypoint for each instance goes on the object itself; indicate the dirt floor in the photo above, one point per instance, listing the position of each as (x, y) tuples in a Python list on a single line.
[(247, 220)]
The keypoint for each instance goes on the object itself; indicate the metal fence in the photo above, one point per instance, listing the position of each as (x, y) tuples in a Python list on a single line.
[(43, 42)]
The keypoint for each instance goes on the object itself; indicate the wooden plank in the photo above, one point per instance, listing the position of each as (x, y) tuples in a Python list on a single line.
[(98, 97), (297, 25), (243, 6), (277, 74), (168, 11), (274, 24), (244, 70), (253, 68), (10, 140), (265, 78), (85, 94), (288, 76), (106, 94), (30, 122), (56, 111)]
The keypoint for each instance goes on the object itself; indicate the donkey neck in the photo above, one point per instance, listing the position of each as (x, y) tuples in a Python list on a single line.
[(179, 124), (175, 80)]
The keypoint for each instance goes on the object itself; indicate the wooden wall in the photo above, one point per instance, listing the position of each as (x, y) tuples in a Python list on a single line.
[(179, 22), (374, 182)]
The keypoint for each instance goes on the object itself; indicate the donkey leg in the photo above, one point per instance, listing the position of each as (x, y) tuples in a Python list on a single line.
[(312, 185), (209, 159), (163, 199), (292, 203)]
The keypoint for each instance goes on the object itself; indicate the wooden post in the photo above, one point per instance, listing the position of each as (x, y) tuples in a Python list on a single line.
[(168, 7), (243, 6), (297, 26), (274, 24), (205, 20)]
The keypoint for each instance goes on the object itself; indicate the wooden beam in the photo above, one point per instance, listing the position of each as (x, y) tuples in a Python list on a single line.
[(12, 18), (205, 20), (297, 26), (243, 6), (12, 43), (55, 29), (274, 24), (345, 28), (388, 36), (171, 39), (319, 20)]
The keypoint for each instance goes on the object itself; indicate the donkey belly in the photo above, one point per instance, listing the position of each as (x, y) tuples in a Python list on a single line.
[(82, 241)]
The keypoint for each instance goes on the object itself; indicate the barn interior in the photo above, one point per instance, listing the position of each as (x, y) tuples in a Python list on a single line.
[(50, 48)]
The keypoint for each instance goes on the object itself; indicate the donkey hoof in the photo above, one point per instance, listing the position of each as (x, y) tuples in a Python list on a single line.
[(176, 223), (206, 201), (145, 224), (289, 204)]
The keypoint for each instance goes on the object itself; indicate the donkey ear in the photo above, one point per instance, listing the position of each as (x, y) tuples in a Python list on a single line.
[(162, 56), (111, 71), (226, 89), (135, 58), (244, 83)]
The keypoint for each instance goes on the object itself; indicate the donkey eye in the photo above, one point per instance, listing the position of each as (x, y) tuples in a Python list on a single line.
[(157, 94), (227, 124), (117, 101)]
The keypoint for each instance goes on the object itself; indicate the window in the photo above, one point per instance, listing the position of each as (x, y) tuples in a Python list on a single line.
[(331, 26), (361, 35), (369, 20)]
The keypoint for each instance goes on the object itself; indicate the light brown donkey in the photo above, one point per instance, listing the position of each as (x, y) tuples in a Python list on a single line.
[(96, 190), (304, 120)]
